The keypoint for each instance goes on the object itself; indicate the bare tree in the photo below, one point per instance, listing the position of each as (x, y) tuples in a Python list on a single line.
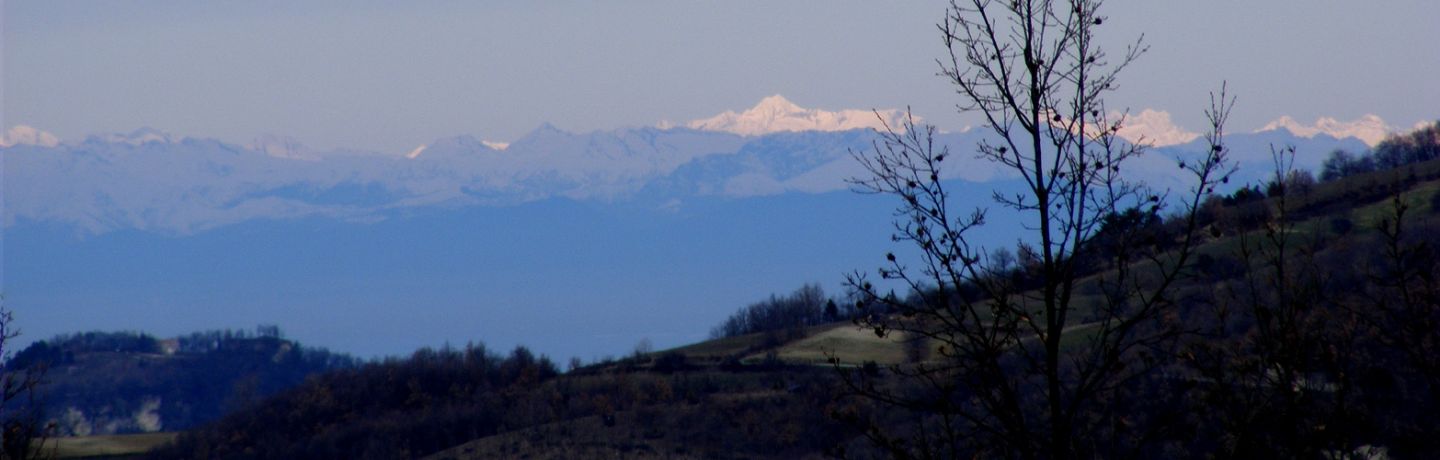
[(23, 427), (1402, 312), (1265, 382), (1034, 370)]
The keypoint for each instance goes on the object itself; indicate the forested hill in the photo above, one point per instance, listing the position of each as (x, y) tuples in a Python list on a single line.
[(128, 382)]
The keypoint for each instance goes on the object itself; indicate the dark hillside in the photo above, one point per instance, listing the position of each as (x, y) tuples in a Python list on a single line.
[(475, 404), (114, 383)]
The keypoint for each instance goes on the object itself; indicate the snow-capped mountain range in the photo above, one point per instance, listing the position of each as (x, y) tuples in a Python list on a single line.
[(27, 135), (1369, 128), (776, 114), (151, 180)]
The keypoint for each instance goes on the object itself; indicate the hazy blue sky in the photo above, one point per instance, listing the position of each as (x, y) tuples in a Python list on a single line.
[(392, 75)]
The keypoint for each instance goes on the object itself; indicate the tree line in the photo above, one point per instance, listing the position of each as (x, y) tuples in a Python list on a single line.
[(805, 307), (1393, 152)]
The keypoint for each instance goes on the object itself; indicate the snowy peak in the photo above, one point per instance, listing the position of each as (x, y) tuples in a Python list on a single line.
[(1370, 128), (777, 105), (27, 135), (777, 114), (1155, 128)]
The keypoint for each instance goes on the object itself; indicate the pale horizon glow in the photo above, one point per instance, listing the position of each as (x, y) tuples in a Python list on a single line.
[(388, 77)]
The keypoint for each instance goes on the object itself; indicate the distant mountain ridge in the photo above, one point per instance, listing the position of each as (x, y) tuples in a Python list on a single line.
[(153, 181)]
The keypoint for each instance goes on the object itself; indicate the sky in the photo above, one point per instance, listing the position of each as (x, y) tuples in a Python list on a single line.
[(389, 76)]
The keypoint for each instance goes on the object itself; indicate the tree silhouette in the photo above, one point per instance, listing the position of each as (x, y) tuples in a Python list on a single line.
[(1043, 371), (23, 427)]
